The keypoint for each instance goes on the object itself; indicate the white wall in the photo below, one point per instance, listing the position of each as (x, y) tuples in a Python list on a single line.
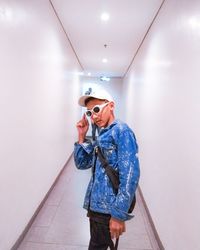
[(162, 101), (38, 109)]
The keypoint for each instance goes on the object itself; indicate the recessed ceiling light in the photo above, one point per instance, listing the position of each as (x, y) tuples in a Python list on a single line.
[(89, 74), (104, 60), (105, 16)]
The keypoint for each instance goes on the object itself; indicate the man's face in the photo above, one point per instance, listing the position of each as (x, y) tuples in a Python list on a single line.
[(105, 116)]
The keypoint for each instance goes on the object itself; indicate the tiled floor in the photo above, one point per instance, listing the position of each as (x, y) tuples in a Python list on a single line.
[(62, 223)]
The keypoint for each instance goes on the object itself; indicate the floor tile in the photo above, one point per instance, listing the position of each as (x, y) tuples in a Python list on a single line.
[(45, 216), (43, 246), (36, 234)]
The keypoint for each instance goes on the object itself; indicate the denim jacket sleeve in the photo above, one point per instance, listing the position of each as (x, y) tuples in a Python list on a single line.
[(83, 154), (129, 173)]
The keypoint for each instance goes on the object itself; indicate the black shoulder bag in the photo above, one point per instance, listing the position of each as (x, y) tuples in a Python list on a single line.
[(113, 175)]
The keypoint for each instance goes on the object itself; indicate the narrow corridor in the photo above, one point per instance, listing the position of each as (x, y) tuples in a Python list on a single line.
[(62, 223)]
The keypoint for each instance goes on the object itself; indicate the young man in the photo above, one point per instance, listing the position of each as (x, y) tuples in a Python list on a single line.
[(107, 209)]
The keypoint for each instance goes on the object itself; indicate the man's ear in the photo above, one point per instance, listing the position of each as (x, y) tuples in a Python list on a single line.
[(112, 105)]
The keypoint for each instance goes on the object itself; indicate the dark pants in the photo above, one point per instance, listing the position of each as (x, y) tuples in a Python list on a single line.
[(100, 238)]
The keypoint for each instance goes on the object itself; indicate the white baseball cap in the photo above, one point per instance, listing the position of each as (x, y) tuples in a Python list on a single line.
[(98, 94)]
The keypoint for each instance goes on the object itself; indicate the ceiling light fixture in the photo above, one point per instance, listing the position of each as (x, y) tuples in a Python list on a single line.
[(104, 60), (105, 16), (104, 78)]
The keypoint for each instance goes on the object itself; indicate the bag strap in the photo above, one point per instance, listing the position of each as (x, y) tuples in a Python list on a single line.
[(111, 173), (101, 157), (116, 243)]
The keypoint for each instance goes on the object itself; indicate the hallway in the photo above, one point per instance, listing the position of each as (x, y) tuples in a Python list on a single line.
[(62, 224), (146, 55)]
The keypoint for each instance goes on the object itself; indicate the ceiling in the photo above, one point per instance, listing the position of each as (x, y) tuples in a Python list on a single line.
[(117, 39)]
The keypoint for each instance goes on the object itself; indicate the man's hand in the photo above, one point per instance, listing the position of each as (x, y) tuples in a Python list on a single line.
[(82, 127), (117, 227)]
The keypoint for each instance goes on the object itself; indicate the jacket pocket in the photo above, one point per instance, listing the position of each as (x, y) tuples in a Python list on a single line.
[(110, 152)]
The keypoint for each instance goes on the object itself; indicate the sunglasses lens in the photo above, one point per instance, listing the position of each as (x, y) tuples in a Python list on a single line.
[(88, 113), (96, 109)]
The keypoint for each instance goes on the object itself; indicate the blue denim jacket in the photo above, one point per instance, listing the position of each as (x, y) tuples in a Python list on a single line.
[(119, 146)]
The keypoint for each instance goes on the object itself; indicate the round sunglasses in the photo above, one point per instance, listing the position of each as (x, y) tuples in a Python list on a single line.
[(96, 109)]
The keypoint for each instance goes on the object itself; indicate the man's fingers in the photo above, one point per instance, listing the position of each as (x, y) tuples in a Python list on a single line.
[(85, 119), (115, 236), (116, 233), (83, 122), (79, 124), (116, 228)]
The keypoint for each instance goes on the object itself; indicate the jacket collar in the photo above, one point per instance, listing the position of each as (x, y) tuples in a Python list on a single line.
[(116, 121)]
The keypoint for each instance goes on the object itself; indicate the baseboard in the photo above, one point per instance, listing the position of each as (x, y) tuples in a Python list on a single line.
[(161, 247), (21, 237)]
